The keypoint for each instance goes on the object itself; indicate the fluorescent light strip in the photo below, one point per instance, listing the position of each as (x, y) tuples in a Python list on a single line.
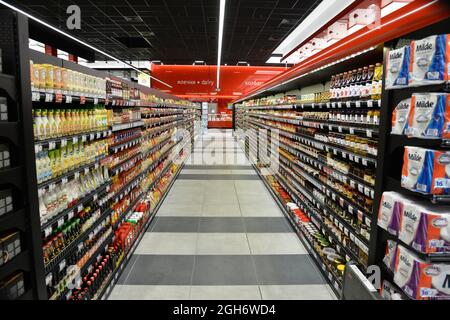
[(75, 39), (219, 53)]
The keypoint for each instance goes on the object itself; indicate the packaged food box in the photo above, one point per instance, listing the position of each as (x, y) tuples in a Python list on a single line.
[(426, 171), (421, 280), (429, 60), (425, 227), (390, 292), (428, 115), (397, 68)]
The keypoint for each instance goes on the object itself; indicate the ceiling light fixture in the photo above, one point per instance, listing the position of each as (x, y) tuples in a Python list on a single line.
[(219, 53), (75, 39)]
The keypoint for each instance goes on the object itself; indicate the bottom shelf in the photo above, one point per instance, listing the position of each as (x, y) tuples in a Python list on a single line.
[(110, 283)]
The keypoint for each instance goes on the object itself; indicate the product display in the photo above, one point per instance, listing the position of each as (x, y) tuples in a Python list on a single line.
[(10, 247), (6, 201)]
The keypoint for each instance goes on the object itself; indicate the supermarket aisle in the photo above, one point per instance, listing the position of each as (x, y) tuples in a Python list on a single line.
[(220, 235)]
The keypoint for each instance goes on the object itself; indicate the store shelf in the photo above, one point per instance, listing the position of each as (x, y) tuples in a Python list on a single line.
[(84, 137), (20, 262), (433, 257), (365, 160), (8, 83), (60, 258), (13, 175), (10, 130), (123, 145), (400, 141), (126, 164), (72, 174), (125, 126), (13, 220), (109, 285), (335, 284), (69, 213), (60, 98), (394, 185), (95, 256)]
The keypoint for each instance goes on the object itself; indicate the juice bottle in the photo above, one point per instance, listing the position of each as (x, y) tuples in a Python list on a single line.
[(64, 80), (57, 119), (68, 120), (49, 78), (58, 162), (45, 125), (51, 124), (70, 155), (64, 160), (57, 79), (42, 76)]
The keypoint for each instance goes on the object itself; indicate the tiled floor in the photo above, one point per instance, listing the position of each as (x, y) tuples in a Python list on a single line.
[(220, 235)]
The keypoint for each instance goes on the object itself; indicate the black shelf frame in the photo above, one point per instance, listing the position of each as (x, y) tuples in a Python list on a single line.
[(22, 174)]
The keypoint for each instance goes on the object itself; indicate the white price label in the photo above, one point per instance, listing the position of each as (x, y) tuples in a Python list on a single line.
[(80, 207), (369, 133), (52, 186), (95, 100), (348, 104), (364, 162), (51, 145), (48, 279), (68, 99), (48, 231), (36, 96), (99, 135), (340, 129), (64, 181), (370, 104), (60, 222), (95, 197), (48, 97), (91, 136), (86, 170), (352, 130), (77, 175), (70, 215), (358, 104), (83, 138), (62, 265), (351, 157)]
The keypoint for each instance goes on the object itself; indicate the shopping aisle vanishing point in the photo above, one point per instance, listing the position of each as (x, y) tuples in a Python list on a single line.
[(220, 235)]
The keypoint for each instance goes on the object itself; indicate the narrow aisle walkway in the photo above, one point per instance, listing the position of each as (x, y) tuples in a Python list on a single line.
[(220, 235)]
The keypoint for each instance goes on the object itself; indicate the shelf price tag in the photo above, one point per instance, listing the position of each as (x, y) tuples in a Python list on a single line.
[(64, 180), (369, 133), (48, 97), (63, 142), (364, 162), (95, 100), (91, 136), (51, 145), (48, 279), (358, 104), (77, 175), (60, 222), (62, 265), (348, 104), (80, 207), (68, 99), (369, 103), (83, 138), (352, 130), (35, 96), (48, 231), (70, 215)]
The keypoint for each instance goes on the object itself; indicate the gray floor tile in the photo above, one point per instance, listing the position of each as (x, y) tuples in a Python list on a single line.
[(297, 292), (162, 270), (221, 210), (128, 269), (275, 243), (224, 270), (266, 225), (168, 243), (261, 210), (217, 177), (221, 224), (286, 270), (176, 224), (146, 292), (222, 244), (225, 293)]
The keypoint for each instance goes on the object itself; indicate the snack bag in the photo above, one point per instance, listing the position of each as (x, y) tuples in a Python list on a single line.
[(397, 68)]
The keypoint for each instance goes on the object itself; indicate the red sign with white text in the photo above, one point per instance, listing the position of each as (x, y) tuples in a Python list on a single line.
[(198, 82)]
